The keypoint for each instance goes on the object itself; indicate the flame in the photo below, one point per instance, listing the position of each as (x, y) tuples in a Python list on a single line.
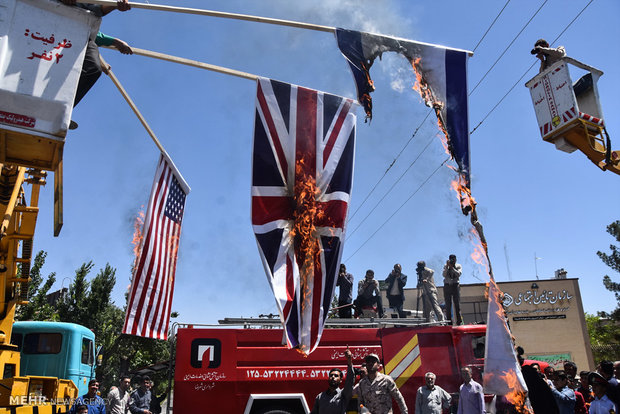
[(517, 396), (306, 213), (136, 242), (421, 86)]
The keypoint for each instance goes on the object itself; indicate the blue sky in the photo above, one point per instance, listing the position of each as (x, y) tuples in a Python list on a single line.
[(531, 197)]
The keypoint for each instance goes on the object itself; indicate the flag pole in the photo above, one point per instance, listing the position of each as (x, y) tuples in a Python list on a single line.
[(135, 109), (212, 13), (250, 18), (190, 62)]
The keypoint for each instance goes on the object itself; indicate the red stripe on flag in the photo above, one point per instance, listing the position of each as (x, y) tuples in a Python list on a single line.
[(157, 286), (344, 111), (272, 130), (148, 310), (136, 286), (154, 259), (305, 148), (267, 209), (335, 214)]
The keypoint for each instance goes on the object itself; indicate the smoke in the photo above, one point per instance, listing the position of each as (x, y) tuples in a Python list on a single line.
[(366, 16), (363, 15)]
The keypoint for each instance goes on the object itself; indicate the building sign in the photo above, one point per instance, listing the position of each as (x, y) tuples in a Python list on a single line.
[(537, 301), (555, 360), (538, 318)]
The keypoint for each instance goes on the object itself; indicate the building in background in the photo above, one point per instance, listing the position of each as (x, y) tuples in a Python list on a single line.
[(546, 317)]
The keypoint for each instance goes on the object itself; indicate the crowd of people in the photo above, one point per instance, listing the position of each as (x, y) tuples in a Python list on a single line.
[(121, 399), (572, 391), (369, 292), (550, 392)]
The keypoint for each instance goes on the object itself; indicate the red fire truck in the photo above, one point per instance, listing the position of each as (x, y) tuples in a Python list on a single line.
[(248, 370)]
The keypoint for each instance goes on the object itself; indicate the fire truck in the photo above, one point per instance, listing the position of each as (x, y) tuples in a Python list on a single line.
[(248, 370)]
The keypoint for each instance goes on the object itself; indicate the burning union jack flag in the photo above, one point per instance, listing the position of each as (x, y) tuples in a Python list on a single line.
[(304, 145)]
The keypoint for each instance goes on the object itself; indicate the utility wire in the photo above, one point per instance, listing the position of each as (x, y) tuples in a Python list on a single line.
[(492, 23), (398, 209), (530, 68), (390, 166), (508, 47), (391, 188), (418, 128)]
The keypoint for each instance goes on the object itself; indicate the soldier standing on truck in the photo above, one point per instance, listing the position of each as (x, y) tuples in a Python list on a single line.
[(426, 283), (376, 390), (335, 399)]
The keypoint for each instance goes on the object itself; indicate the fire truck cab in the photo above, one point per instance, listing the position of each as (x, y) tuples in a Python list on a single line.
[(248, 370), (570, 115)]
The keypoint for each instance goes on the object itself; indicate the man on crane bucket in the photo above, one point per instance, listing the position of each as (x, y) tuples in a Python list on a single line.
[(91, 68), (547, 55)]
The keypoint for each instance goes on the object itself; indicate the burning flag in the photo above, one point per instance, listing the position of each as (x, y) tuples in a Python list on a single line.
[(304, 144), (441, 80), (502, 372), (150, 298)]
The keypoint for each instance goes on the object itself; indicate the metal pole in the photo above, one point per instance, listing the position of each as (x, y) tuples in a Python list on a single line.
[(189, 62), (173, 331), (249, 18), (536, 265), (213, 13)]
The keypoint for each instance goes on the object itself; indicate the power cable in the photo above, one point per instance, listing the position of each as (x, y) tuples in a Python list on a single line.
[(419, 126), (421, 123), (492, 23), (391, 188), (507, 47), (398, 209), (530, 68), (390, 166)]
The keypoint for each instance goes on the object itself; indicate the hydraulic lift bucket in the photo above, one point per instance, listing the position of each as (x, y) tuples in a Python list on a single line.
[(569, 114), (42, 46)]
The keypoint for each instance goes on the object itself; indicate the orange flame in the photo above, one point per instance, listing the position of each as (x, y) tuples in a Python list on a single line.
[(136, 242), (517, 395), (421, 86), (307, 212)]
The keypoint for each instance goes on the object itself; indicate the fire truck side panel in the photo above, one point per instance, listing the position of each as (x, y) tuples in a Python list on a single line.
[(222, 368)]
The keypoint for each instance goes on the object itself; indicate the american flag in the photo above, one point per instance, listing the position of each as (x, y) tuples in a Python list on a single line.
[(148, 310), (304, 145)]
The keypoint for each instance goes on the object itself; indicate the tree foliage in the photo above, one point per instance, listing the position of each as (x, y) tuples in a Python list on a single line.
[(612, 260), (89, 303), (38, 307), (604, 337)]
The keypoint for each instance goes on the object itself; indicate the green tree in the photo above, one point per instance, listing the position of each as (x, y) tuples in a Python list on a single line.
[(38, 308), (89, 303), (604, 337), (612, 260)]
